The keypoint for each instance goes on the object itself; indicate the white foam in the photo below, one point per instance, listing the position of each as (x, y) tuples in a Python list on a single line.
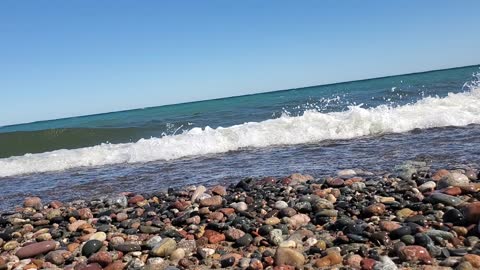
[(454, 110)]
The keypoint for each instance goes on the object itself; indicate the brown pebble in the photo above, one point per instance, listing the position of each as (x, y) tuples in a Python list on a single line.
[(35, 249)]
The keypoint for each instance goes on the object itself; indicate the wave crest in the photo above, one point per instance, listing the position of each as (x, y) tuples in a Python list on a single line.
[(453, 110)]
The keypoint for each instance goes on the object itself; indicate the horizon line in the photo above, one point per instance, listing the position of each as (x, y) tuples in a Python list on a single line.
[(238, 96)]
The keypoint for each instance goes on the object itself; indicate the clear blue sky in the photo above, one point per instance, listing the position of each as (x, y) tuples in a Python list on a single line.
[(68, 58)]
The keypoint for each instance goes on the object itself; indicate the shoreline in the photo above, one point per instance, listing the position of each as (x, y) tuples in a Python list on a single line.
[(410, 217)]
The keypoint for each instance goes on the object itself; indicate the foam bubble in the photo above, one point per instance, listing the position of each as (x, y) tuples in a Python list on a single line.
[(453, 110)]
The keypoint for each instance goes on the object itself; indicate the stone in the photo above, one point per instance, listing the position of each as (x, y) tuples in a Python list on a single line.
[(354, 261), (473, 259), (389, 226), (35, 249), (454, 216), (91, 247), (177, 254), (198, 191), (288, 256), (102, 257), (376, 209), (453, 179), (275, 236), (212, 201), (415, 254), (57, 257), (272, 221), (73, 227), (100, 236), (440, 174), (471, 212), (240, 206), (219, 190), (331, 259), (33, 202), (280, 205), (244, 240), (214, 237), (299, 220), (164, 248), (427, 186), (445, 199), (346, 173), (233, 234)]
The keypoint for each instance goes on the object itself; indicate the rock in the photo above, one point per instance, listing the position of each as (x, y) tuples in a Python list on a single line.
[(177, 254), (453, 179), (346, 173), (385, 264), (117, 200), (275, 237), (440, 174), (415, 254), (389, 226), (212, 201), (354, 261), (233, 234), (335, 182), (57, 257), (219, 190), (102, 257), (471, 212), (73, 227), (376, 209), (299, 220), (100, 236), (33, 202), (471, 175), (214, 237), (272, 221), (473, 259), (367, 264), (454, 216), (244, 240), (199, 191), (288, 256), (35, 249), (164, 248), (91, 247), (445, 199), (240, 206), (464, 266), (332, 258), (427, 186), (127, 247), (280, 205)]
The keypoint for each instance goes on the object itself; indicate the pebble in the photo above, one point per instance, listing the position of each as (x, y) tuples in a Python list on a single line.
[(164, 248), (331, 259), (288, 256), (35, 249), (91, 247), (415, 254)]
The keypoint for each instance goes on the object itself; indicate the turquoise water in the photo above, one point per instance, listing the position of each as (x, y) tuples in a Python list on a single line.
[(376, 123)]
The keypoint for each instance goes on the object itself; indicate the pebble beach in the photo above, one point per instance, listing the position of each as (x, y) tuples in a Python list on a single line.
[(413, 217)]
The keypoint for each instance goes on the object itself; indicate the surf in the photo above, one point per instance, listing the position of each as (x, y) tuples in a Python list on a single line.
[(459, 109)]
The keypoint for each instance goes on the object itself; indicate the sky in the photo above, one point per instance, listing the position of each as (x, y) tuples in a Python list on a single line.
[(80, 57)]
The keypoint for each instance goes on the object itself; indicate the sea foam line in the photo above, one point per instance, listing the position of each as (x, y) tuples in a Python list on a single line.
[(453, 110)]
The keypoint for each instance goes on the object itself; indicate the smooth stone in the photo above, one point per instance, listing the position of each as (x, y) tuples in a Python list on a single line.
[(280, 205), (100, 236), (346, 173), (398, 233), (35, 249), (427, 186), (454, 216), (212, 201), (233, 234), (473, 259), (177, 254), (415, 254), (276, 237), (244, 240), (150, 229), (33, 202), (117, 200), (332, 258), (288, 256), (198, 191), (453, 179), (408, 239), (375, 209), (381, 238), (128, 247), (91, 247), (441, 234), (445, 199), (240, 206), (164, 248), (272, 221), (471, 212)]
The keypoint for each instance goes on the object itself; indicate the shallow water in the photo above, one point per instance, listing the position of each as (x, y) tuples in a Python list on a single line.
[(448, 147), (373, 125)]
